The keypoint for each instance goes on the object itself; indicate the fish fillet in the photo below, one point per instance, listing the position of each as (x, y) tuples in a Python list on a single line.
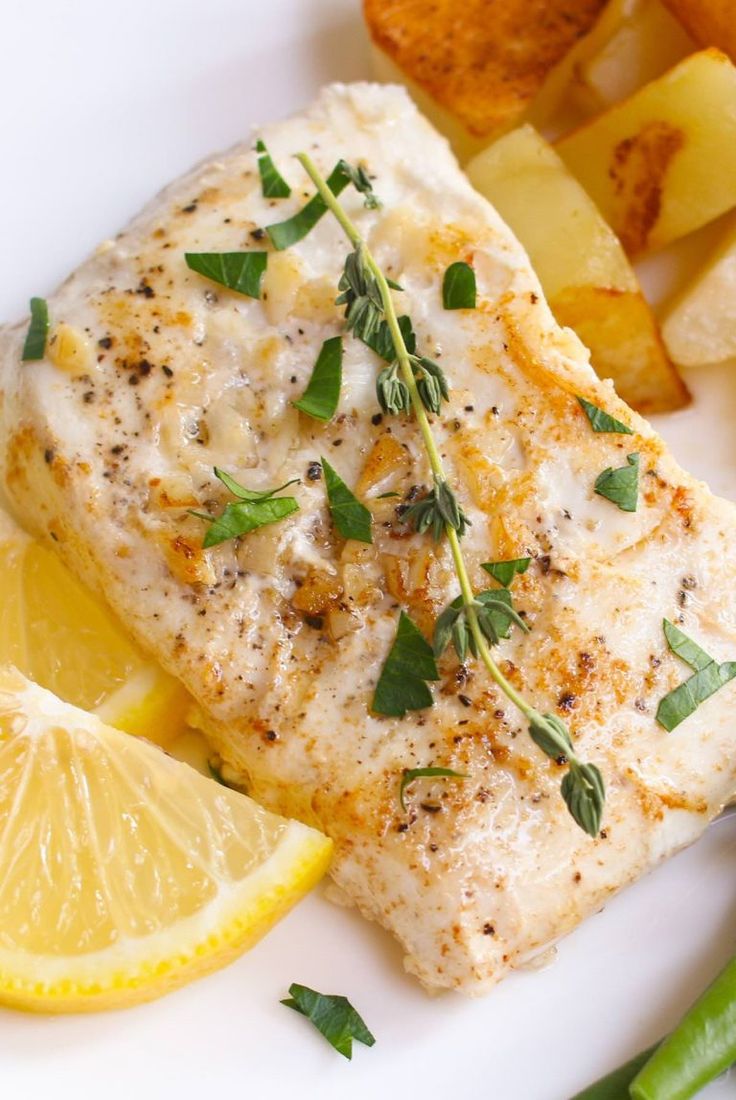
[(157, 375)]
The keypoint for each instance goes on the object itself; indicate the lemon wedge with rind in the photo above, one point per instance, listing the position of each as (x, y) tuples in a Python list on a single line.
[(125, 872), (62, 637)]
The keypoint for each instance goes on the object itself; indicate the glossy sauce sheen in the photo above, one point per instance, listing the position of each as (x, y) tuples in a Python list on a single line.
[(281, 637)]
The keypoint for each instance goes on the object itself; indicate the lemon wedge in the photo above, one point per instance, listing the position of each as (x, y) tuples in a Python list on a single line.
[(60, 636), (125, 873)]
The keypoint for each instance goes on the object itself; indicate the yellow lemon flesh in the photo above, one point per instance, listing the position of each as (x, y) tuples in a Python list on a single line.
[(60, 636), (125, 872)]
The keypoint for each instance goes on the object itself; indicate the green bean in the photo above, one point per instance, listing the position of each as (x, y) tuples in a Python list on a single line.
[(615, 1086), (701, 1047)]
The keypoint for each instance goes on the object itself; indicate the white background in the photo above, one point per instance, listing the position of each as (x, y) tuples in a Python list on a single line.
[(101, 104)]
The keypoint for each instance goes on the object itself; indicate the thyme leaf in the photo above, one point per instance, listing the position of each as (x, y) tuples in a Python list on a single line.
[(436, 511), (362, 183)]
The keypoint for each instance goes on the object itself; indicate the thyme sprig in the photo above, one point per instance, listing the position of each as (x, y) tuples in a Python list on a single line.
[(582, 786)]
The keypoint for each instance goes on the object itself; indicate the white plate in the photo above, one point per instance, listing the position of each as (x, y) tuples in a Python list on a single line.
[(103, 103)]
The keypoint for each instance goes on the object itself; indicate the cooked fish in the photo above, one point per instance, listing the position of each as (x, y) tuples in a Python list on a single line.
[(154, 376)]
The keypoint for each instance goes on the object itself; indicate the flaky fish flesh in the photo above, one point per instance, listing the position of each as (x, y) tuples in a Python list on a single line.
[(154, 376)]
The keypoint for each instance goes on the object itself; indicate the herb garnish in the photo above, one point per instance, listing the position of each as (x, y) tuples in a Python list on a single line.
[(35, 343), (321, 397), (458, 287), (582, 787), (283, 234), (238, 271), (334, 1017), (253, 508), (495, 613), (352, 519), (362, 183), (438, 510), (601, 421), (410, 774), (620, 486), (410, 662), (382, 342), (505, 571), (273, 184), (707, 678)]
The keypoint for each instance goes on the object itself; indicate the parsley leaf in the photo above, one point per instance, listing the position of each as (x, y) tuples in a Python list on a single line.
[(458, 287), (333, 1016), (254, 508), (401, 685), (35, 343), (410, 774), (273, 184), (322, 394), (621, 486), (352, 519), (708, 677), (601, 421), (238, 271), (505, 571), (295, 228), (685, 648)]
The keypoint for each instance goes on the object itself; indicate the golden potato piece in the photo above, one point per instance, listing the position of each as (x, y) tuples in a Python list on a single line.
[(709, 22), (584, 272), (482, 61), (645, 44), (663, 162), (700, 327)]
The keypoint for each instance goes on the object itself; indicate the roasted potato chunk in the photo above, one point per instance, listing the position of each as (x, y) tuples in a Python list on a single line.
[(645, 44), (584, 272), (709, 22), (663, 162), (700, 327), (484, 61)]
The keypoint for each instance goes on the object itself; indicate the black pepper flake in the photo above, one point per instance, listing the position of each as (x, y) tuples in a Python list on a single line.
[(466, 702), (566, 701), (315, 621), (431, 807), (48, 456), (144, 289), (133, 380), (88, 397), (105, 342), (377, 419), (402, 828), (314, 471), (271, 735), (337, 442), (488, 929), (469, 408), (545, 564), (117, 449), (258, 234), (689, 582), (167, 371), (433, 847), (144, 367), (192, 206)]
